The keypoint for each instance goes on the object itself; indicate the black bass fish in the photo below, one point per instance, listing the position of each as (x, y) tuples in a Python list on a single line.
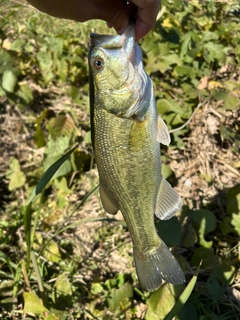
[(126, 131)]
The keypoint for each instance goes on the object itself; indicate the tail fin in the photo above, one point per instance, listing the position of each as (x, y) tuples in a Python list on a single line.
[(156, 266)]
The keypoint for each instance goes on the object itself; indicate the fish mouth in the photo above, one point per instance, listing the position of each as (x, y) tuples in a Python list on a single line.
[(111, 42)]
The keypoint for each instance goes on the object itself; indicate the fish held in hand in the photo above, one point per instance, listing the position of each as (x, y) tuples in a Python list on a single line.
[(126, 132)]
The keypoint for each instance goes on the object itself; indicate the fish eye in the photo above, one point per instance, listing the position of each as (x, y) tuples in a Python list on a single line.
[(98, 63)]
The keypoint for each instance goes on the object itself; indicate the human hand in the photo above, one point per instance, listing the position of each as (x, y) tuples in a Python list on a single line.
[(116, 13)]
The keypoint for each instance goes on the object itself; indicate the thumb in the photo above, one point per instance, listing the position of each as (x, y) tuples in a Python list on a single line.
[(116, 15)]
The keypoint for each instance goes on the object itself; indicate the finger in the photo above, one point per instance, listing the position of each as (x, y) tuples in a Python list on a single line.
[(146, 17), (115, 13)]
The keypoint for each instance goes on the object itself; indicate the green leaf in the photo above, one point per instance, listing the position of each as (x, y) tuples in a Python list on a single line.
[(33, 304), (189, 237), (205, 255), (15, 175), (9, 81), (25, 93), (215, 289), (61, 125), (51, 253), (62, 69), (119, 295), (236, 222), (63, 285), (214, 51), (169, 231), (166, 171), (183, 297), (165, 62), (233, 200), (165, 106), (160, 303), (229, 101), (96, 288), (50, 173), (204, 220), (225, 225)]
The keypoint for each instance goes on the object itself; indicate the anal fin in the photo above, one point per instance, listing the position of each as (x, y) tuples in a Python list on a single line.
[(107, 203), (168, 201)]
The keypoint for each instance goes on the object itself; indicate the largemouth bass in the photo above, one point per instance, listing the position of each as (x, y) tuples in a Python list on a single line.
[(126, 131)]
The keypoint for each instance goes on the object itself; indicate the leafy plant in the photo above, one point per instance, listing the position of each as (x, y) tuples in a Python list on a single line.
[(61, 257)]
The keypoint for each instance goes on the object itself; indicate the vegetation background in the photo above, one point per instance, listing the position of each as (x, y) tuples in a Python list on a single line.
[(61, 256)]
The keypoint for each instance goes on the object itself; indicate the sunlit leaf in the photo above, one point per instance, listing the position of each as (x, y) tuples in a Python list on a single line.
[(63, 285), (33, 304), (9, 80), (15, 175), (160, 303), (51, 252), (117, 296)]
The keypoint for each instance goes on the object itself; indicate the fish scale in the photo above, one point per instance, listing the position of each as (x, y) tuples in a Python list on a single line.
[(126, 132)]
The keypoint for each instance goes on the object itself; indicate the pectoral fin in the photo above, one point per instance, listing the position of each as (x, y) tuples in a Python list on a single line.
[(107, 203), (168, 201), (163, 135)]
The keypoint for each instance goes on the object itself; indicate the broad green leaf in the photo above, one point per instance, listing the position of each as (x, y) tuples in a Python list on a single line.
[(225, 272), (225, 225), (205, 255), (9, 81), (169, 231), (6, 62), (165, 62), (188, 311), (189, 237), (96, 288), (15, 175), (63, 285), (51, 253), (62, 69), (236, 222), (17, 45), (165, 106), (204, 220), (160, 303), (61, 125), (45, 60), (214, 288), (214, 51), (118, 296), (25, 93), (233, 197), (229, 101), (33, 304)]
